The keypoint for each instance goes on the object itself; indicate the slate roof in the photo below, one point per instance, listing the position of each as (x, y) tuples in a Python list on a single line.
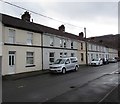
[(31, 26)]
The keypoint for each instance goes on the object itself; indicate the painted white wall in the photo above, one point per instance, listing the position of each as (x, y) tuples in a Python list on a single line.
[(21, 36), (46, 41), (20, 55), (46, 52), (1, 38)]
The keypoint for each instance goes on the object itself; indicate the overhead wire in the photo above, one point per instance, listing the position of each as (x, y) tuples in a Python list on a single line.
[(6, 2)]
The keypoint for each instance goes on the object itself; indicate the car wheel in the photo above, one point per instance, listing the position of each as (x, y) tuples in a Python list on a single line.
[(63, 70), (76, 68)]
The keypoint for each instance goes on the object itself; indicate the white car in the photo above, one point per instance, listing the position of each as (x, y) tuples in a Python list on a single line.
[(96, 62), (112, 60), (62, 65)]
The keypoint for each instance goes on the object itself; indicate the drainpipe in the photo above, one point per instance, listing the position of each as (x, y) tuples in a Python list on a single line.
[(86, 46), (42, 48)]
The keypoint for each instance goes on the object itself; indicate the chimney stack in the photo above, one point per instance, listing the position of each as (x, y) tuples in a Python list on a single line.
[(81, 35), (62, 28), (26, 16)]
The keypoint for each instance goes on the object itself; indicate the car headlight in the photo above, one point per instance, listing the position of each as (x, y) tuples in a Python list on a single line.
[(59, 67)]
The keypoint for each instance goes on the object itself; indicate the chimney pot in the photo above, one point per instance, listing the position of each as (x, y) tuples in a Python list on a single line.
[(62, 28), (26, 16), (81, 35)]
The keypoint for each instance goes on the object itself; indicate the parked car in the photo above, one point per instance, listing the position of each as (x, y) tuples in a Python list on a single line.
[(112, 60), (62, 65), (105, 61), (96, 62), (117, 58)]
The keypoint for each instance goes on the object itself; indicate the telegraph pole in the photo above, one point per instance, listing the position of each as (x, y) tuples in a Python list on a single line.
[(86, 46)]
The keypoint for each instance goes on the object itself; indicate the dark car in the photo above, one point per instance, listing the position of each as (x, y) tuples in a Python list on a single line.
[(105, 61)]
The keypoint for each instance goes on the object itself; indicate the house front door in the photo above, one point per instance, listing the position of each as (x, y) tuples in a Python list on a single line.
[(11, 62)]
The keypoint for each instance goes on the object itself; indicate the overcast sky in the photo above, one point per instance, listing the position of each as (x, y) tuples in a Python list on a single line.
[(99, 18)]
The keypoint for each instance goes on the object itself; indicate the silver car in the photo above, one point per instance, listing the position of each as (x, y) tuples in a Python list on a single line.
[(62, 65)]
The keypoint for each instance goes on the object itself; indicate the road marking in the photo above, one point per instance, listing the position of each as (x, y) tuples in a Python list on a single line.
[(107, 94)]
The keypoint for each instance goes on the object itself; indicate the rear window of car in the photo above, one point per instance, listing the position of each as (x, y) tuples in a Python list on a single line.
[(73, 60)]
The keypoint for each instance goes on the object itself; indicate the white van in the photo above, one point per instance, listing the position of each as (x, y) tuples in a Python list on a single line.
[(62, 65)]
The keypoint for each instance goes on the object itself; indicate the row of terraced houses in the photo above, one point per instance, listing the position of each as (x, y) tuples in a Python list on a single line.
[(26, 46)]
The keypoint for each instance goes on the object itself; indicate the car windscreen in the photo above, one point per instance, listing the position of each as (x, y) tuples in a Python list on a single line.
[(59, 61)]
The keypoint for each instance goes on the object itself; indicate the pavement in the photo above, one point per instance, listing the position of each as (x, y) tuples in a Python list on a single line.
[(31, 74)]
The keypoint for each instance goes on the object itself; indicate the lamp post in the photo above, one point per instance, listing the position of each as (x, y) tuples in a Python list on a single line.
[(86, 46)]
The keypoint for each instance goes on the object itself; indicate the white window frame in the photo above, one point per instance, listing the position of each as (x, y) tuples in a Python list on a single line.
[(81, 46), (72, 54), (92, 56), (51, 41), (29, 38), (50, 57), (65, 54), (11, 36), (64, 43), (61, 42), (28, 58)]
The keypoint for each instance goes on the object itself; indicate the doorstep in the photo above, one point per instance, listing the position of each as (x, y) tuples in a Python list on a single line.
[(25, 75)]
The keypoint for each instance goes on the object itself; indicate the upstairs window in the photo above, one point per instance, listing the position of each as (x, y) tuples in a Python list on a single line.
[(81, 46), (61, 43), (64, 42), (51, 41), (11, 36), (71, 45), (96, 48), (30, 38)]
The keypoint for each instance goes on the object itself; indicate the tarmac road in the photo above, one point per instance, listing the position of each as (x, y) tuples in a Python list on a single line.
[(88, 84)]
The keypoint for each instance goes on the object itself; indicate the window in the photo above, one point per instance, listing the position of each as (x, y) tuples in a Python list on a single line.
[(91, 47), (72, 54), (30, 38), (96, 48), (61, 43), (30, 58), (91, 56), (51, 57), (64, 42), (96, 56), (61, 54), (65, 54), (82, 57), (71, 45), (81, 46), (11, 36), (51, 41)]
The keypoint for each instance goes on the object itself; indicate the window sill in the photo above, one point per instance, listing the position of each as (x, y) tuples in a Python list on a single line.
[(30, 66)]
